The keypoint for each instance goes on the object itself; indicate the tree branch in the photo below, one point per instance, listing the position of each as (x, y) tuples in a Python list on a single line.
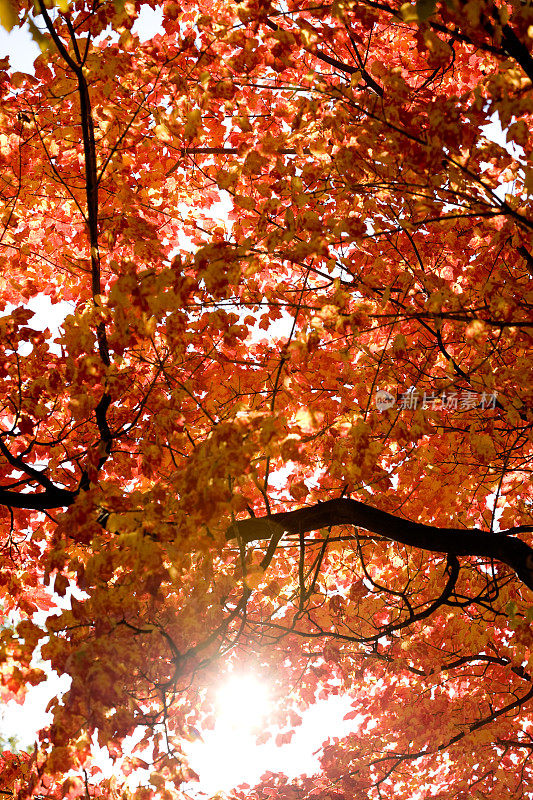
[(334, 62), (51, 498), (342, 511)]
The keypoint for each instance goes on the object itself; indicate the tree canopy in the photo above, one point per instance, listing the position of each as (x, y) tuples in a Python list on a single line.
[(293, 437)]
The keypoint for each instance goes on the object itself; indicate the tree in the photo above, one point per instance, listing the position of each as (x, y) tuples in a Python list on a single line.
[(199, 451)]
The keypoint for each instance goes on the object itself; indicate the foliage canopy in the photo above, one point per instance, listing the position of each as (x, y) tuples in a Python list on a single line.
[(198, 449)]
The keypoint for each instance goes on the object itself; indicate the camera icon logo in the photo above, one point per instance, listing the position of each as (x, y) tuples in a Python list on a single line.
[(384, 400)]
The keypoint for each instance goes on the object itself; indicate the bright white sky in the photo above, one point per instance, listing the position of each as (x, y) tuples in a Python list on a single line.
[(228, 755)]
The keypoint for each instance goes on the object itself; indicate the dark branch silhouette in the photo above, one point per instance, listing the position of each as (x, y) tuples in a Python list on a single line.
[(501, 546)]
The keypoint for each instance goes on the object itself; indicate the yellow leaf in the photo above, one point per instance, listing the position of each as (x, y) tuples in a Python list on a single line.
[(409, 13), (38, 37), (307, 419), (254, 577), (8, 15), (163, 133), (193, 123), (126, 40)]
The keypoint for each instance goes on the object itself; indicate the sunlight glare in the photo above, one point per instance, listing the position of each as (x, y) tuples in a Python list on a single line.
[(229, 755), (242, 703)]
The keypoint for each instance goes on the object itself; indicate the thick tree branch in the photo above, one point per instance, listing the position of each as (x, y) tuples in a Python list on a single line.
[(33, 473), (91, 191), (517, 50), (342, 511), (51, 498)]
